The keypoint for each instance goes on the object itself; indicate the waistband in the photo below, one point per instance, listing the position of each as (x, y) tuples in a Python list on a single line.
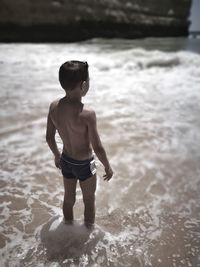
[(74, 161)]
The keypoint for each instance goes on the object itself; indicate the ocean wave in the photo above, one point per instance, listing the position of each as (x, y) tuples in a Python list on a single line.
[(147, 105)]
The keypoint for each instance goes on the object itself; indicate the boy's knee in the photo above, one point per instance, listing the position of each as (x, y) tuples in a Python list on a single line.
[(69, 200), (90, 198)]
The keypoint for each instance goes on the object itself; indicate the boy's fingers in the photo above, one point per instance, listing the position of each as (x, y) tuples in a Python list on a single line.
[(106, 178), (58, 166)]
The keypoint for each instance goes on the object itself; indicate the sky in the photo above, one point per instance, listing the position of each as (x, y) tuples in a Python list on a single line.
[(195, 16)]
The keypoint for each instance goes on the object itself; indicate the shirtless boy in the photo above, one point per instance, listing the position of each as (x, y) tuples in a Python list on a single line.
[(77, 128)]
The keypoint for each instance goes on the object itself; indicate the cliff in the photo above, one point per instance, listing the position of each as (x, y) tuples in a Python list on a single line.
[(65, 20)]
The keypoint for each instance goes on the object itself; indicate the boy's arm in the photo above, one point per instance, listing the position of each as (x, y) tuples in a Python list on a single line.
[(50, 138), (97, 145)]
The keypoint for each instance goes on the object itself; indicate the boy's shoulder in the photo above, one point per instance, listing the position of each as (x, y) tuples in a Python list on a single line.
[(53, 105), (89, 114)]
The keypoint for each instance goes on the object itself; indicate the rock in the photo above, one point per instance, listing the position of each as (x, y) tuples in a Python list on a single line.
[(68, 241), (64, 20)]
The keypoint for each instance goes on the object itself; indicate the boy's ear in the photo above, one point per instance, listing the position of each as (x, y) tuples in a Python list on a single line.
[(83, 85)]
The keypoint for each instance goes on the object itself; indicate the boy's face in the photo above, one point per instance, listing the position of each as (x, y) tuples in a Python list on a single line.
[(88, 83)]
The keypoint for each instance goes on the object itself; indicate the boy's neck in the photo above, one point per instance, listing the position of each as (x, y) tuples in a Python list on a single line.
[(73, 99)]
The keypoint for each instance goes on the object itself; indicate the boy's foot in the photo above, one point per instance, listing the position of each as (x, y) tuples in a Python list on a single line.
[(89, 226)]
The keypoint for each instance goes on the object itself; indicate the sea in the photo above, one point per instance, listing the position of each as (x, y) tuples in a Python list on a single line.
[(146, 94)]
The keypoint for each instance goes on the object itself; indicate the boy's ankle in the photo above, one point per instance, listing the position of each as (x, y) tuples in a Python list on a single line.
[(68, 222)]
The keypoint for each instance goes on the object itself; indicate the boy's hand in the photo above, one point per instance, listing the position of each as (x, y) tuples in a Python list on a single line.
[(108, 175), (57, 161)]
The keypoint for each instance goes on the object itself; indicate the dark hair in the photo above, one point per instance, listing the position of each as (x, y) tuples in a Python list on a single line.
[(71, 73)]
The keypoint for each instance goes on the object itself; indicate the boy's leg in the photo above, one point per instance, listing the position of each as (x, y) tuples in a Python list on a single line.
[(69, 198), (88, 188)]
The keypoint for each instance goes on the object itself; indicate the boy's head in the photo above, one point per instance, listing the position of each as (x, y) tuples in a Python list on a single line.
[(71, 73)]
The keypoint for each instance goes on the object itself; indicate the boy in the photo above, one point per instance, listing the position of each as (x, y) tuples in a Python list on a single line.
[(77, 129)]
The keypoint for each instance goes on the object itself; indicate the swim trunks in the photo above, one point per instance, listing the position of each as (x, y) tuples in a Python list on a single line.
[(78, 169)]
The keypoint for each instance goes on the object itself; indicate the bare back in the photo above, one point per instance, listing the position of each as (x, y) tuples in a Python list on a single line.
[(69, 118)]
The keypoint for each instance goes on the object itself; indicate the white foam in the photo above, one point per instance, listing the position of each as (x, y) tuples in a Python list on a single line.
[(147, 105)]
